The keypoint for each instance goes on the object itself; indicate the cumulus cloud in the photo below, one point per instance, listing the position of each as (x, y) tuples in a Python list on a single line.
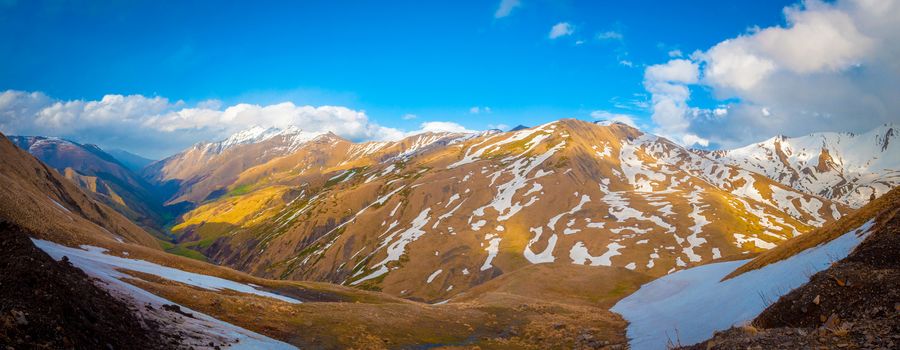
[(669, 94), (830, 67), (610, 35), (441, 127), (156, 126), (561, 29), (506, 7), (479, 110), (626, 119)]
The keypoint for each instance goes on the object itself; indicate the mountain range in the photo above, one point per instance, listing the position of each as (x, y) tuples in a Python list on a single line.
[(571, 213), (848, 168)]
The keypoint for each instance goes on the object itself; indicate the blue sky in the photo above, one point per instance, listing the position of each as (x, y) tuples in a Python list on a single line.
[(432, 59)]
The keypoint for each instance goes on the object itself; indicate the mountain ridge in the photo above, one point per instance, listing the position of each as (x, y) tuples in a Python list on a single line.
[(847, 167), (612, 169), (102, 176)]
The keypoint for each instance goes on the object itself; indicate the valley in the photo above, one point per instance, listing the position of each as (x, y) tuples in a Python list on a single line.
[(450, 175), (534, 238)]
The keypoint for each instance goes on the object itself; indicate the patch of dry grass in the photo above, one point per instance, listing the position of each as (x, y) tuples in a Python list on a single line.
[(505, 322)]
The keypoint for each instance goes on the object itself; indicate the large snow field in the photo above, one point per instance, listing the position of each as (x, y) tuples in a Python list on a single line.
[(688, 306)]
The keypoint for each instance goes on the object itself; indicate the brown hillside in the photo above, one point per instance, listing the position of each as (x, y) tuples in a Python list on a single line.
[(430, 222), (39, 199)]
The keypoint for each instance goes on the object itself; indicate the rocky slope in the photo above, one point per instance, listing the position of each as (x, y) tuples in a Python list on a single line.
[(62, 308), (103, 177), (847, 168), (431, 222)]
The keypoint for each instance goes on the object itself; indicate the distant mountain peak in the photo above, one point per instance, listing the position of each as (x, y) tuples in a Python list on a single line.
[(257, 134), (849, 167)]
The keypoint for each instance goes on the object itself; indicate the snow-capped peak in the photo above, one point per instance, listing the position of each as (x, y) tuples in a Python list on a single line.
[(252, 135), (294, 136), (844, 166)]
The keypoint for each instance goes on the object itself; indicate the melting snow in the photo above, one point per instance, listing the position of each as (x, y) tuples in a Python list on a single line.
[(552, 223), (695, 302), (699, 221), (433, 275), (545, 256), (503, 201), (102, 266), (492, 249), (95, 259), (396, 249), (59, 205), (740, 239), (580, 255)]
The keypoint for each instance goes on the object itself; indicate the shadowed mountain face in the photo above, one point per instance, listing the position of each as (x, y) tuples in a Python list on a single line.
[(104, 177), (434, 215), (38, 198), (130, 160)]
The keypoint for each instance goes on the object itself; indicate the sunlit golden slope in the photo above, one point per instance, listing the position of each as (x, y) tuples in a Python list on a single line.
[(439, 220)]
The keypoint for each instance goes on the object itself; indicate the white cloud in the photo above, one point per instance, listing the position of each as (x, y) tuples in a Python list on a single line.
[(155, 126), (667, 84), (498, 126), (830, 67), (561, 29), (675, 71), (506, 7), (691, 139), (626, 63), (610, 35), (409, 116), (675, 53), (479, 110), (729, 65), (614, 117), (441, 127)]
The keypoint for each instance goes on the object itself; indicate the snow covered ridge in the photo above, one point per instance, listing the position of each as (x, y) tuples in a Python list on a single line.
[(688, 306), (846, 167), (200, 329), (256, 134)]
